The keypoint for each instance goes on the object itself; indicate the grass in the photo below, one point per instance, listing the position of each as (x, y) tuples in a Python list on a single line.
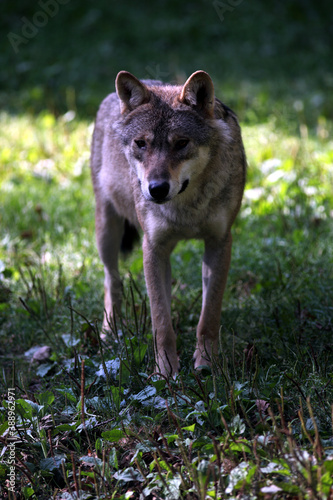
[(91, 420)]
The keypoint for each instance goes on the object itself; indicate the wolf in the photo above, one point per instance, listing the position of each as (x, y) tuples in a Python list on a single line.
[(168, 160)]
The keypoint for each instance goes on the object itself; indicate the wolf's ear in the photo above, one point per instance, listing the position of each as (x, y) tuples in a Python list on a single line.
[(131, 92), (198, 92)]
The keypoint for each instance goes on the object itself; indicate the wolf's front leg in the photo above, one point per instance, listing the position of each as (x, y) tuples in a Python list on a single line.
[(156, 260), (215, 269)]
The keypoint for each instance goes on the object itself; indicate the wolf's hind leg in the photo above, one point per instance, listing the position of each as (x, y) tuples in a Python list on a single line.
[(215, 269), (109, 233)]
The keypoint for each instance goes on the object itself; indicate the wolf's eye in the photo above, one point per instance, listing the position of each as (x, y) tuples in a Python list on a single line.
[(181, 144), (140, 143)]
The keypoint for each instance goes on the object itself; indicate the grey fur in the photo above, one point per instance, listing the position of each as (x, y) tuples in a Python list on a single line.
[(170, 160)]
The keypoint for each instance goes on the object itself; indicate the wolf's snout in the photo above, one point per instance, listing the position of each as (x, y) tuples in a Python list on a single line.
[(159, 190)]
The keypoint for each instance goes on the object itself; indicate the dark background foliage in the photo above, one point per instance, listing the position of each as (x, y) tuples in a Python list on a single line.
[(75, 54)]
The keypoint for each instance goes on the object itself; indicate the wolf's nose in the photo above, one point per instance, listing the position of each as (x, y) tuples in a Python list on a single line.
[(159, 190)]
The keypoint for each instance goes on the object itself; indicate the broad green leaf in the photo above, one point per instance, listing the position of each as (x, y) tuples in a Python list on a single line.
[(172, 491), (163, 465), (139, 354), (250, 474), (326, 483), (27, 492), (190, 428), (44, 369), (67, 393), (243, 447), (237, 477), (52, 463), (64, 428), (146, 393), (3, 427), (113, 460), (113, 436), (328, 465), (290, 488), (171, 438), (270, 468), (99, 445), (92, 461), (128, 475), (29, 408), (45, 398), (70, 340)]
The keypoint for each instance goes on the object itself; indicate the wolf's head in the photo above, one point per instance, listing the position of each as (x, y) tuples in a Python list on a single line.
[(167, 132)]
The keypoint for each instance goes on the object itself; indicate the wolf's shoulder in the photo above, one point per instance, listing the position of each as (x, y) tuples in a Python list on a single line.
[(109, 110)]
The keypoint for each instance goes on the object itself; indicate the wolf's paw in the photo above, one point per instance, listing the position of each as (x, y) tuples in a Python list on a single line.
[(201, 359), (203, 353), (167, 364)]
